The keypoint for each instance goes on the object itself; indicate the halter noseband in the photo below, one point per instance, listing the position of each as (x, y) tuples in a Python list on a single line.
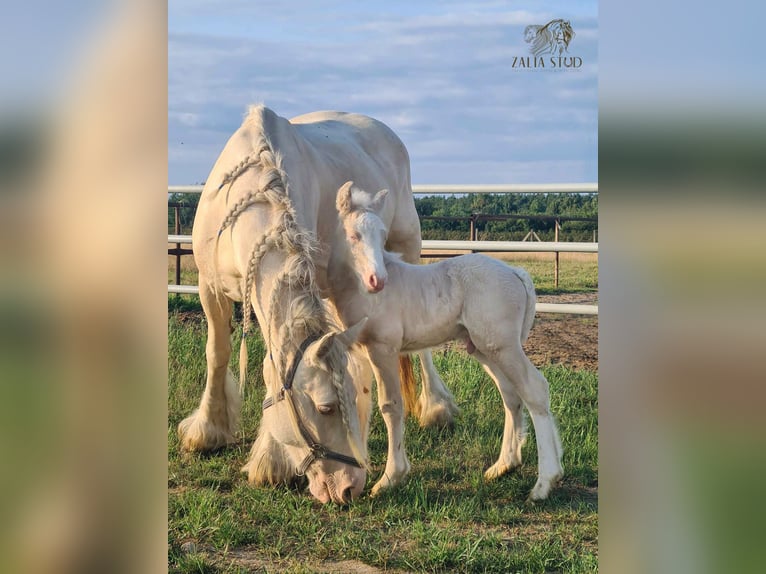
[(316, 450)]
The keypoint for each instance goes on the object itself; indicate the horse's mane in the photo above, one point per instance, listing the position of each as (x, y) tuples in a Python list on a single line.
[(392, 257), (303, 315)]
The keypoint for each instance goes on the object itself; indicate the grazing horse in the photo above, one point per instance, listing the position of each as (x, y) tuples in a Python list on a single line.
[(262, 236), (251, 247), (480, 300)]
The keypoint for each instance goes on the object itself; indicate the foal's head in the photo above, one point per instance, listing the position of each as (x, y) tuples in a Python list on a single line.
[(364, 233)]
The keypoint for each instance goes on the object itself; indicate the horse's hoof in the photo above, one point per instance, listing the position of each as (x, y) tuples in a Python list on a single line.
[(438, 416)]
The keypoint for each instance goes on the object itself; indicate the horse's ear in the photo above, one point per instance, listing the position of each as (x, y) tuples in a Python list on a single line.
[(345, 338), (379, 200), (350, 335), (343, 200), (324, 346)]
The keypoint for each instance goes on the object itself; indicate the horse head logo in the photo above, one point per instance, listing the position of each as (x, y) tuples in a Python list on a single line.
[(553, 38)]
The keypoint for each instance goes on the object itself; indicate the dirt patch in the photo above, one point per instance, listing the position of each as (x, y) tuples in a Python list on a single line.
[(568, 340), (252, 561)]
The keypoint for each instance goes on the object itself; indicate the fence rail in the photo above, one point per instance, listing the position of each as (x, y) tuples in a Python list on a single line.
[(450, 245), (464, 188)]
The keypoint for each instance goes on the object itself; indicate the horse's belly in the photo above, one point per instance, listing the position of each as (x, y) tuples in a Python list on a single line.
[(427, 334)]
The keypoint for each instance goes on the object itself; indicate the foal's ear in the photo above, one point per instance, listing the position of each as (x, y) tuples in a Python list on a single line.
[(343, 200), (379, 200), (350, 335)]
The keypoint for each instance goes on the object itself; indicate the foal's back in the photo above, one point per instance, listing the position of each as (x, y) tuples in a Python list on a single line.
[(442, 301)]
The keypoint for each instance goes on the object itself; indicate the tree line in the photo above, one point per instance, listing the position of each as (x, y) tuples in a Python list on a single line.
[(581, 205)]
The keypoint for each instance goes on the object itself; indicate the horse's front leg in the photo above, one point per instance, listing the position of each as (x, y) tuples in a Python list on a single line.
[(437, 407), (214, 424), (385, 365)]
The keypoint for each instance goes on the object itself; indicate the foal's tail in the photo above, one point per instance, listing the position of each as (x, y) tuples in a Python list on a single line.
[(529, 312), (408, 385)]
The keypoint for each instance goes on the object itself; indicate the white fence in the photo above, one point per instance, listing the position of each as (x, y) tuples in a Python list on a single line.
[(497, 246)]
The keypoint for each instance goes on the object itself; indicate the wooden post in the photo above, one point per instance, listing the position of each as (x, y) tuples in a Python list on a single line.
[(556, 260), (176, 212), (473, 228)]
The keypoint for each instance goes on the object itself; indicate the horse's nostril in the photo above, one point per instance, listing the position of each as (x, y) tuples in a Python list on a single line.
[(347, 495)]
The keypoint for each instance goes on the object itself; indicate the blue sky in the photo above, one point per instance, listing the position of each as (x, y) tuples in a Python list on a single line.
[(439, 73)]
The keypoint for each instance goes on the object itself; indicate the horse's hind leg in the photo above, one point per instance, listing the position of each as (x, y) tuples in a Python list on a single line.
[(532, 387), (437, 405), (514, 431), (214, 424)]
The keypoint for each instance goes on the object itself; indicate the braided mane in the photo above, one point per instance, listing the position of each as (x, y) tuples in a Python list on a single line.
[(304, 314)]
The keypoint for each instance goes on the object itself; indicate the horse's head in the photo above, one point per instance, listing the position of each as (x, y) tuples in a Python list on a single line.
[(315, 419), (364, 233)]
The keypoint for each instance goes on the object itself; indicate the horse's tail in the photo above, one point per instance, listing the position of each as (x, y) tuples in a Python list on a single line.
[(408, 385), (529, 312)]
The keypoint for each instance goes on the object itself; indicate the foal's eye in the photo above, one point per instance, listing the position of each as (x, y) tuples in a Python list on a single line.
[(354, 237), (326, 409)]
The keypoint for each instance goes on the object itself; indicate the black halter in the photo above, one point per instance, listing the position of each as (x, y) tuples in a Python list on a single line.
[(316, 450)]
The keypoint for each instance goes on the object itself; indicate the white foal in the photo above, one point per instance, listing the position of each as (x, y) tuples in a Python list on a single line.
[(480, 300)]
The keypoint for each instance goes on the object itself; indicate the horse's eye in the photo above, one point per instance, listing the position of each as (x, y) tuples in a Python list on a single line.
[(354, 237), (326, 409)]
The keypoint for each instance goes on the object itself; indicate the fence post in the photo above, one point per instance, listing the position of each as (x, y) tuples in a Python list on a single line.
[(556, 226), (178, 245)]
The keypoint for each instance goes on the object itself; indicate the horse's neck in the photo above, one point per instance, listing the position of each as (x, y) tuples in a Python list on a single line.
[(276, 306)]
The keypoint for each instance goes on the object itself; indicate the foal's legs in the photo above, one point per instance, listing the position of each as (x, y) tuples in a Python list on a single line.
[(214, 424), (385, 365), (360, 371), (532, 387), (437, 405), (514, 431)]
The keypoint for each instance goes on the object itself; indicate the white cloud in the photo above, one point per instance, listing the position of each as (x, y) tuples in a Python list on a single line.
[(438, 73)]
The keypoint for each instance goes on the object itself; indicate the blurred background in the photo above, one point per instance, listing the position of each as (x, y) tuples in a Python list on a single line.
[(682, 268), (83, 174)]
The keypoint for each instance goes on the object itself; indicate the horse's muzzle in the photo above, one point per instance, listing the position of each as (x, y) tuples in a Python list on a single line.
[(375, 283)]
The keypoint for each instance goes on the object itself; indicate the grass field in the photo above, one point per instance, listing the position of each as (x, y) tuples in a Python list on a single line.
[(446, 518)]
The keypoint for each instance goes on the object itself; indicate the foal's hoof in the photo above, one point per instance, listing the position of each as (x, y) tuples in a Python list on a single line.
[(542, 489), (386, 483), (381, 486), (499, 469)]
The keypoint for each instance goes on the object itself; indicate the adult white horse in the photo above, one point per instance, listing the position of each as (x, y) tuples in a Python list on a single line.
[(271, 190), (480, 300)]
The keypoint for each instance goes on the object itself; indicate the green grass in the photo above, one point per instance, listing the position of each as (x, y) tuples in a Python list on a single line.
[(578, 275), (445, 518)]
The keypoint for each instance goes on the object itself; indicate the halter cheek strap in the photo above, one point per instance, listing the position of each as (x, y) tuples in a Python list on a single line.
[(316, 450)]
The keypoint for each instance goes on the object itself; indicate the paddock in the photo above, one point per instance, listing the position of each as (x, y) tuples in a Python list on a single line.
[(445, 517), (434, 249)]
